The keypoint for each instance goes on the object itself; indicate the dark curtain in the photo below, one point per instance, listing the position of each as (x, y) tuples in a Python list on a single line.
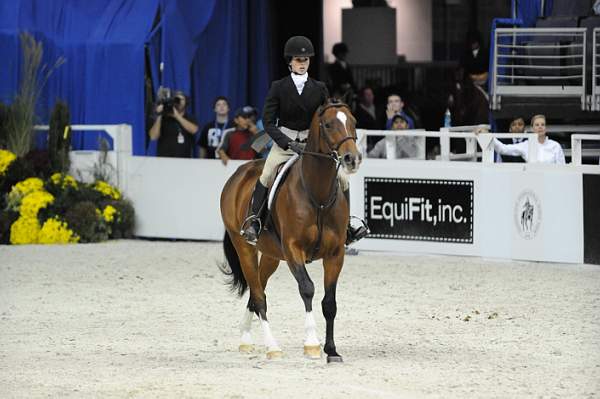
[(233, 57)]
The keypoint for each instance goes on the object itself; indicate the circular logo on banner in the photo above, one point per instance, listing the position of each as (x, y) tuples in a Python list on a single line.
[(528, 214)]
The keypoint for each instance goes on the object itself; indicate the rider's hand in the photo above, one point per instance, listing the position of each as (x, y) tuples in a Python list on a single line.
[(159, 109), (297, 147)]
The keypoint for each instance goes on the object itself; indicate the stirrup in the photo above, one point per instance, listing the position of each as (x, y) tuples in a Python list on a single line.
[(248, 231), (356, 233)]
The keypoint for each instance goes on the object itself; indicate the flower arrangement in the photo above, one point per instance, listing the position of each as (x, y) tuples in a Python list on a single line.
[(59, 209), (6, 158)]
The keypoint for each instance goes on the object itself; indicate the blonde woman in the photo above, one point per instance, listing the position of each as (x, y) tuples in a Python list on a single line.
[(549, 151)]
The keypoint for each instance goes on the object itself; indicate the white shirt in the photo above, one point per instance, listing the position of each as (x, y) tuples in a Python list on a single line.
[(548, 152), (299, 81)]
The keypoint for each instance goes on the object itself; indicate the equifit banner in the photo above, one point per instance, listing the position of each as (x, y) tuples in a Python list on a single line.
[(419, 209)]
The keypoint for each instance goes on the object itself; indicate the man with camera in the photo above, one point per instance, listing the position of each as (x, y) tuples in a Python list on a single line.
[(173, 129)]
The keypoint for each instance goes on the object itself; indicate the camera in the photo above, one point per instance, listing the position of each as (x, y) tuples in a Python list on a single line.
[(167, 100)]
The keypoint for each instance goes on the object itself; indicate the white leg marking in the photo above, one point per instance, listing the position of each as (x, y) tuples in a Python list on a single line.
[(310, 328), (270, 342), (245, 327)]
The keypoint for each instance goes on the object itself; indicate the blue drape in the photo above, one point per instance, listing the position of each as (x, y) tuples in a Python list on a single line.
[(208, 48), (232, 57), (103, 42)]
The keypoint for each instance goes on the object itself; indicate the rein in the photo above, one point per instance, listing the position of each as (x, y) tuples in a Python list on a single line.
[(333, 186)]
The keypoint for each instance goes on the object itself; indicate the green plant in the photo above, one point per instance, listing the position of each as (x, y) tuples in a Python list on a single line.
[(7, 218), (102, 169), (86, 221), (125, 221), (21, 115), (59, 138), (3, 121)]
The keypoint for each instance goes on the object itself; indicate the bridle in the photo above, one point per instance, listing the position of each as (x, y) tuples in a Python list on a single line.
[(333, 147)]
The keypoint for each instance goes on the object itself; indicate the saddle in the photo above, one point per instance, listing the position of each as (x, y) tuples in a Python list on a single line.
[(282, 172)]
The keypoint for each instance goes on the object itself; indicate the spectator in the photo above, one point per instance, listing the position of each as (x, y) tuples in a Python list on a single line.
[(366, 113), (236, 141), (212, 132), (406, 147), (475, 59), (549, 151), (340, 75), (174, 129), (395, 106), (517, 125)]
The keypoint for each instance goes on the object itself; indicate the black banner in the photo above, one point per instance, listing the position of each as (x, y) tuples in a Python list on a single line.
[(420, 209), (591, 219)]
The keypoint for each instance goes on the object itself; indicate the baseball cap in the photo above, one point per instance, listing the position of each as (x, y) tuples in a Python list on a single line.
[(245, 112)]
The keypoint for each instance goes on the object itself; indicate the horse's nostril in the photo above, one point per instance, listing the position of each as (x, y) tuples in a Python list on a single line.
[(347, 158)]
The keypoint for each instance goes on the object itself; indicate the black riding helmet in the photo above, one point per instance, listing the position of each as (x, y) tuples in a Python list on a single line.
[(298, 46)]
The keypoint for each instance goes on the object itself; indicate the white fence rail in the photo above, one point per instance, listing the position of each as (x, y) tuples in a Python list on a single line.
[(87, 159)]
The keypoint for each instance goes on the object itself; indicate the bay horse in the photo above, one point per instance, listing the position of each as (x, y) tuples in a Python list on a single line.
[(309, 217)]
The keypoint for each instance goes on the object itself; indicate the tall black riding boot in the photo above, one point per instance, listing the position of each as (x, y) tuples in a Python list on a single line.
[(252, 225), (353, 233)]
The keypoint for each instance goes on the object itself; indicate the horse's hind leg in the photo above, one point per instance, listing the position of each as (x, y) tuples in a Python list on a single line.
[(257, 302), (312, 348), (266, 268)]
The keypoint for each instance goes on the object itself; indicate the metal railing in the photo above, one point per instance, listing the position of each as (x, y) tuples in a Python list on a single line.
[(595, 103), (543, 62), (445, 134), (576, 150)]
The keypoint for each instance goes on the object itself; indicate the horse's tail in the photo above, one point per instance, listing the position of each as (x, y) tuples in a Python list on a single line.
[(237, 281)]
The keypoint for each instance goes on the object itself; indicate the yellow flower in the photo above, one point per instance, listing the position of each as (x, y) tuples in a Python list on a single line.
[(56, 232), (107, 189), (25, 230), (63, 180), (21, 190), (6, 158), (35, 201), (109, 213), (28, 186)]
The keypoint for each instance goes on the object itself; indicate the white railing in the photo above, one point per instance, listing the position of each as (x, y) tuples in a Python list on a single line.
[(544, 62), (86, 159), (595, 103), (576, 150), (445, 134)]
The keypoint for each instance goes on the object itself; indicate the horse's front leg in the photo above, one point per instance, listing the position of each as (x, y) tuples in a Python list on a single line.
[(312, 347), (332, 268)]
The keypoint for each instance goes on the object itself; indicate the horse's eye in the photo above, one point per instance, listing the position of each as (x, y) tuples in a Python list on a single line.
[(327, 126)]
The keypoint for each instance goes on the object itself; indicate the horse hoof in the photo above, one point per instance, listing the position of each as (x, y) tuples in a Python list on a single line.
[(335, 359), (274, 355), (312, 351), (246, 348)]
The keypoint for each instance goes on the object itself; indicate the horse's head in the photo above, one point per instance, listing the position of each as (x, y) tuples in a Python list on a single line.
[(333, 132)]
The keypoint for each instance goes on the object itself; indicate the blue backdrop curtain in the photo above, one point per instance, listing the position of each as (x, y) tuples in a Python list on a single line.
[(208, 48), (233, 57)]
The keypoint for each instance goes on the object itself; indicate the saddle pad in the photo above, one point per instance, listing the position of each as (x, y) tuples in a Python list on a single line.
[(280, 177)]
